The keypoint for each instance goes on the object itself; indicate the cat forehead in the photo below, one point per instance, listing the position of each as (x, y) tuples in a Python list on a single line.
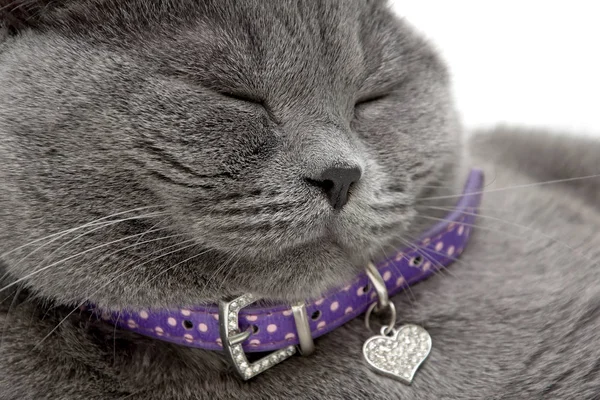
[(277, 36), (349, 40), (305, 49), (294, 53)]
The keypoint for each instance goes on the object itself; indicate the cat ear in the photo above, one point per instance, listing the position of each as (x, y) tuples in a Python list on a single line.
[(16, 15)]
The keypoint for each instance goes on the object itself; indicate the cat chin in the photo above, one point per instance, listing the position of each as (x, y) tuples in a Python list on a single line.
[(317, 272), (304, 271), (301, 274)]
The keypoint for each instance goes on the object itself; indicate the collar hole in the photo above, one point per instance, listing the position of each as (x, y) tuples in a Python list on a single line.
[(415, 262)]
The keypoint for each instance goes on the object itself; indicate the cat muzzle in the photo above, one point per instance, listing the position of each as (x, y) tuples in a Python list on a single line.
[(237, 328)]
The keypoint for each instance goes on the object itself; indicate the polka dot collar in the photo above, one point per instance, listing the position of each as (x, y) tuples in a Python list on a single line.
[(274, 328)]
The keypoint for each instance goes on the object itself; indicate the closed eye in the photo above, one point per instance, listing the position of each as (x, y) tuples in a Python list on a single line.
[(252, 100), (370, 100), (244, 97)]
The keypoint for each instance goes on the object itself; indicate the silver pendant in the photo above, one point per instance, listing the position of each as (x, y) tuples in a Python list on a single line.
[(400, 354)]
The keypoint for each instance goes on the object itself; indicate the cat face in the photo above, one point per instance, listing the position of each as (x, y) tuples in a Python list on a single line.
[(210, 130)]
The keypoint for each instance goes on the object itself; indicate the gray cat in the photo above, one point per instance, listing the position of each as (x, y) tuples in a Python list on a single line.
[(208, 127)]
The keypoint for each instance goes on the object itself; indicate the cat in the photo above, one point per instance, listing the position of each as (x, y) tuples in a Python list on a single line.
[(209, 128)]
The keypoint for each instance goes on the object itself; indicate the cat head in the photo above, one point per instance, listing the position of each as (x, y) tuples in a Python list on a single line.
[(174, 153)]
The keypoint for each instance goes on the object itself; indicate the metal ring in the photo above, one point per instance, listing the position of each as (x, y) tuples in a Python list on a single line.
[(379, 285), (390, 325), (306, 344)]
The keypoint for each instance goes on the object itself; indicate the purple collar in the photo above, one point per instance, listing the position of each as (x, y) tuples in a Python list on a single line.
[(274, 328)]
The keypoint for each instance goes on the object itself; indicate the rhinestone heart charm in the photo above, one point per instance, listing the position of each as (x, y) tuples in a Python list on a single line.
[(399, 355)]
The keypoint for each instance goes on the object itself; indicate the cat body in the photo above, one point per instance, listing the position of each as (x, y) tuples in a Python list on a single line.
[(203, 127)]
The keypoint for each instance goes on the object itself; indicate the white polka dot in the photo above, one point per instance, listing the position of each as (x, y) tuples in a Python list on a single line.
[(321, 325), (159, 331), (131, 323), (272, 328), (143, 314), (399, 257), (426, 241), (439, 246), (334, 306), (254, 342), (186, 312), (172, 321), (251, 318), (290, 336), (451, 226), (387, 275), (319, 302), (373, 295), (347, 288), (216, 316), (348, 310), (360, 291), (219, 342), (287, 313), (400, 281), (426, 266), (188, 338), (450, 250), (202, 327), (460, 230)]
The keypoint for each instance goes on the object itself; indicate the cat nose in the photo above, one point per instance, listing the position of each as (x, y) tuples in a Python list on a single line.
[(335, 183)]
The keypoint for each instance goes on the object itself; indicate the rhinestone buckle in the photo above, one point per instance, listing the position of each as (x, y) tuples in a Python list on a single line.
[(232, 339)]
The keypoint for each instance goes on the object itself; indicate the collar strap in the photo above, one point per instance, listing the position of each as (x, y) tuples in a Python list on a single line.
[(274, 327)]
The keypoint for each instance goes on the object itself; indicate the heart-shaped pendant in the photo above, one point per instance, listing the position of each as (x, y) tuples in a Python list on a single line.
[(399, 355)]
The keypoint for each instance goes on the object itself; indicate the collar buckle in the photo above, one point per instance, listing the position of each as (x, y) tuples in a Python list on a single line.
[(232, 339)]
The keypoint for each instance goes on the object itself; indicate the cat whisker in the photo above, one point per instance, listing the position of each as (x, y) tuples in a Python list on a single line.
[(67, 231), (478, 227), (147, 241), (411, 296), (152, 227), (528, 185), (474, 226), (439, 268), (437, 186), (231, 269), (450, 207), (454, 259), (487, 184), (10, 307), (103, 225), (127, 271), (148, 259), (222, 267), (39, 270), (528, 228), (170, 268), (115, 337)]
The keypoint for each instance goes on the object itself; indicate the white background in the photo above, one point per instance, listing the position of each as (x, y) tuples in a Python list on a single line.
[(527, 63)]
